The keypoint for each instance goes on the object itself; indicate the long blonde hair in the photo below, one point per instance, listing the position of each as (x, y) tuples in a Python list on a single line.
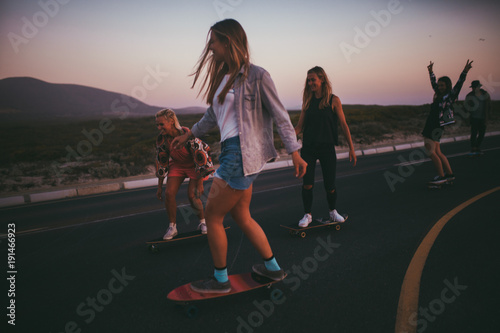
[(169, 114), (231, 33), (326, 89)]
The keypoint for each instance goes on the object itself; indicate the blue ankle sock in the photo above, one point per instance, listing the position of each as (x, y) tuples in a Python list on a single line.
[(221, 275), (272, 264)]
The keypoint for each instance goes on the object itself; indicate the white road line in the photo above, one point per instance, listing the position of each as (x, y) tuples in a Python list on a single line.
[(448, 156), (39, 230)]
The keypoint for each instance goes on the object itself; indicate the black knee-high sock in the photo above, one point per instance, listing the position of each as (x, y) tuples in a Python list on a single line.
[(332, 199), (307, 199)]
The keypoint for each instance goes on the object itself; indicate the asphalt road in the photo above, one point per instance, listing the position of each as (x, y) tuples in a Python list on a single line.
[(82, 264)]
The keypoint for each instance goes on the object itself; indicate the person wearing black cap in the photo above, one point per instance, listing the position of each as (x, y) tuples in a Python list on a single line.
[(478, 103)]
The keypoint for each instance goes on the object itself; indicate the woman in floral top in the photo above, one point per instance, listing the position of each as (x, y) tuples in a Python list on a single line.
[(178, 164)]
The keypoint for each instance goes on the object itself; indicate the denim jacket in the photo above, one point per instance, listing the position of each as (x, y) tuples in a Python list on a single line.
[(256, 106)]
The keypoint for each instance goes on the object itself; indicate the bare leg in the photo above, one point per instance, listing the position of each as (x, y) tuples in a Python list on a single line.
[(194, 197), (443, 159), (173, 184), (221, 200), (241, 214), (435, 158)]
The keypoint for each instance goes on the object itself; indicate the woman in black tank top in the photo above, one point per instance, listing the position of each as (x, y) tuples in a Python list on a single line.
[(321, 114)]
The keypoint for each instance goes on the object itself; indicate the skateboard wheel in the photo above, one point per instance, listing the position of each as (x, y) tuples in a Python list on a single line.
[(153, 248), (337, 227), (303, 234), (192, 311)]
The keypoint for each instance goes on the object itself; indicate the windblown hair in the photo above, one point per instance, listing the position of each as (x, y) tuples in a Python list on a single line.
[(447, 81), (169, 114), (230, 33), (326, 89)]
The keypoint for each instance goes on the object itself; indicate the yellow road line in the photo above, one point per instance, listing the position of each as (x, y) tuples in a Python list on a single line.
[(408, 298)]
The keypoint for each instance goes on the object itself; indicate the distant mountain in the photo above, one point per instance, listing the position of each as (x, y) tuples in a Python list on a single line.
[(190, 110), (25, 96)]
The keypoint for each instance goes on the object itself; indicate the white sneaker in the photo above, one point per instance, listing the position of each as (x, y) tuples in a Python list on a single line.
[(171, 233), (203, 228), (336, 217), (438, 180), (305, 221)]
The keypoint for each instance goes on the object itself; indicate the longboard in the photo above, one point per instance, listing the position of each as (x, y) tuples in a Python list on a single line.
[(240, 283), (475, 154), (295, 230), (439, 186), (153, 244)]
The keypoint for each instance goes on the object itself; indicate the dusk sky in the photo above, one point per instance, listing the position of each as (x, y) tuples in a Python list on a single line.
[(374, 51)]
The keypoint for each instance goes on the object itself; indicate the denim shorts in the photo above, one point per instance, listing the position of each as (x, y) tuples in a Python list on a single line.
[(231, 165)]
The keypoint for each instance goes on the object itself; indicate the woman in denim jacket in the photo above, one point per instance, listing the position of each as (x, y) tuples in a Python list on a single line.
[(243, 104)]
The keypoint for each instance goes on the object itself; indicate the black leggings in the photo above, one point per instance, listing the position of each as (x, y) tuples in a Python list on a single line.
[(477, 126), (328, 160)]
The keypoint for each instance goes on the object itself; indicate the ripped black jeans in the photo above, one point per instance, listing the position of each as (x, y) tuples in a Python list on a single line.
[(327, 157)]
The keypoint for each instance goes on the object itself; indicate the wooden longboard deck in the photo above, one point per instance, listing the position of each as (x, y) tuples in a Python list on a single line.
[(239, 283), (180, 236), (439, 186), (314, 224), (295, 230)]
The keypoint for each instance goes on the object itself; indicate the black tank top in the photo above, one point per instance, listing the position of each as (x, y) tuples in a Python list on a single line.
[(320, 125)]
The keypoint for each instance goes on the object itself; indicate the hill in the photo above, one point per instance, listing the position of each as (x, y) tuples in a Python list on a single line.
[(25, 96)]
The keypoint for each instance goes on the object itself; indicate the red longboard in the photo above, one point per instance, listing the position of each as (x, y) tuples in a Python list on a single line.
[(239, 283)]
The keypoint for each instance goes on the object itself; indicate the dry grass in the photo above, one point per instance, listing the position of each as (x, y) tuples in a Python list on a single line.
[(35, 156)]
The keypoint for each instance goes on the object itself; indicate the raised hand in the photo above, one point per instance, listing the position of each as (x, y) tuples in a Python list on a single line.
[(430, 67), (468, 66)]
